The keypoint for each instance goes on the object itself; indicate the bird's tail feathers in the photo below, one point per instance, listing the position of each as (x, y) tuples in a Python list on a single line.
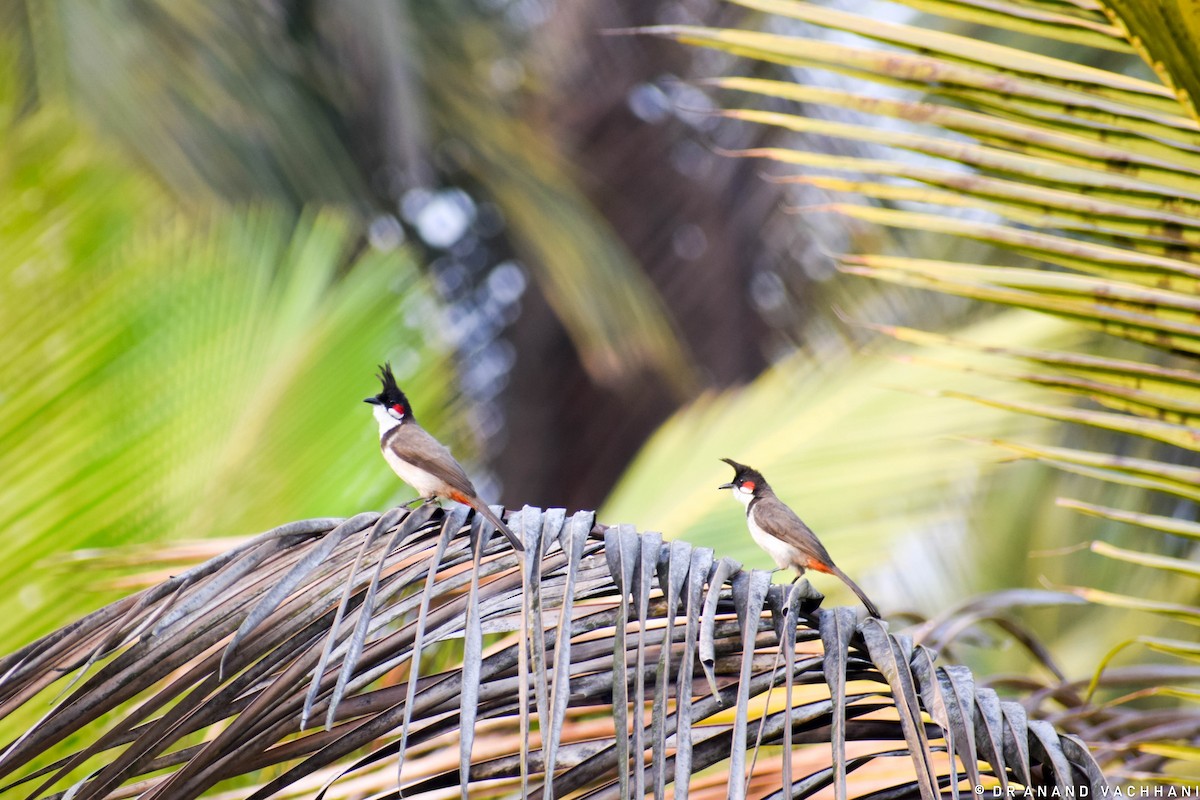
[(866, 601), (482, 508)]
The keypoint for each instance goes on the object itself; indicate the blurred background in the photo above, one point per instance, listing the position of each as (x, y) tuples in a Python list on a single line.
[(219, 217)]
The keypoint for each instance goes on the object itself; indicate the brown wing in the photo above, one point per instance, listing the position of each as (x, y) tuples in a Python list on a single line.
[(774, 517), (417, 446)]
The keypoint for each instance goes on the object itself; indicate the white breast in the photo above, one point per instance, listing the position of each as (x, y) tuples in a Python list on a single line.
[(424, 482), (782, 553)]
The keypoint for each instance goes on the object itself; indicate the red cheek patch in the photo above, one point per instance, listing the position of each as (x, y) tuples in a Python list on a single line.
[(748, 486), (399, 409)]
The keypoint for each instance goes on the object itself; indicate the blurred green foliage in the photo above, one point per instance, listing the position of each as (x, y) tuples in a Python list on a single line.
[(172, 375)]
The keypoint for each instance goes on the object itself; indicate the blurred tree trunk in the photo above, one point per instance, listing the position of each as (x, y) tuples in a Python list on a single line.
[(691, 218)]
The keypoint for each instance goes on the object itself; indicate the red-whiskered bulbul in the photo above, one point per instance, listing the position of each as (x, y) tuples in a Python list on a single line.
[(778, 530), (420, 460)]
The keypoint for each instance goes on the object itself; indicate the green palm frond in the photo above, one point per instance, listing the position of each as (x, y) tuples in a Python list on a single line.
[(1088, 174), (1167, 35), (405, 637)]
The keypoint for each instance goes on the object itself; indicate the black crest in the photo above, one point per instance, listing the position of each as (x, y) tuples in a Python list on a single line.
[(391, 394), (742, 473)]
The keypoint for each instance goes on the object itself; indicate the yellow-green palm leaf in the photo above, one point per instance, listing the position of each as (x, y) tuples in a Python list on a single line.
[(1082, 181)]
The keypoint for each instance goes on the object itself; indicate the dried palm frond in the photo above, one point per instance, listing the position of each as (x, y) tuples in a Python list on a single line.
[(333, 645)]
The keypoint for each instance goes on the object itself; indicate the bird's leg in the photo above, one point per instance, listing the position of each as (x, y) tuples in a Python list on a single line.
[(421, 500)]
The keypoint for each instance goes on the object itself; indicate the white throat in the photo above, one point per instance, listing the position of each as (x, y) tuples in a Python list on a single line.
[(386, 420), (742, 496)]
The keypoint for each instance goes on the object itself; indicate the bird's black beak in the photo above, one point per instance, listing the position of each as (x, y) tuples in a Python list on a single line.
[(375, 401), (725, 486)]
